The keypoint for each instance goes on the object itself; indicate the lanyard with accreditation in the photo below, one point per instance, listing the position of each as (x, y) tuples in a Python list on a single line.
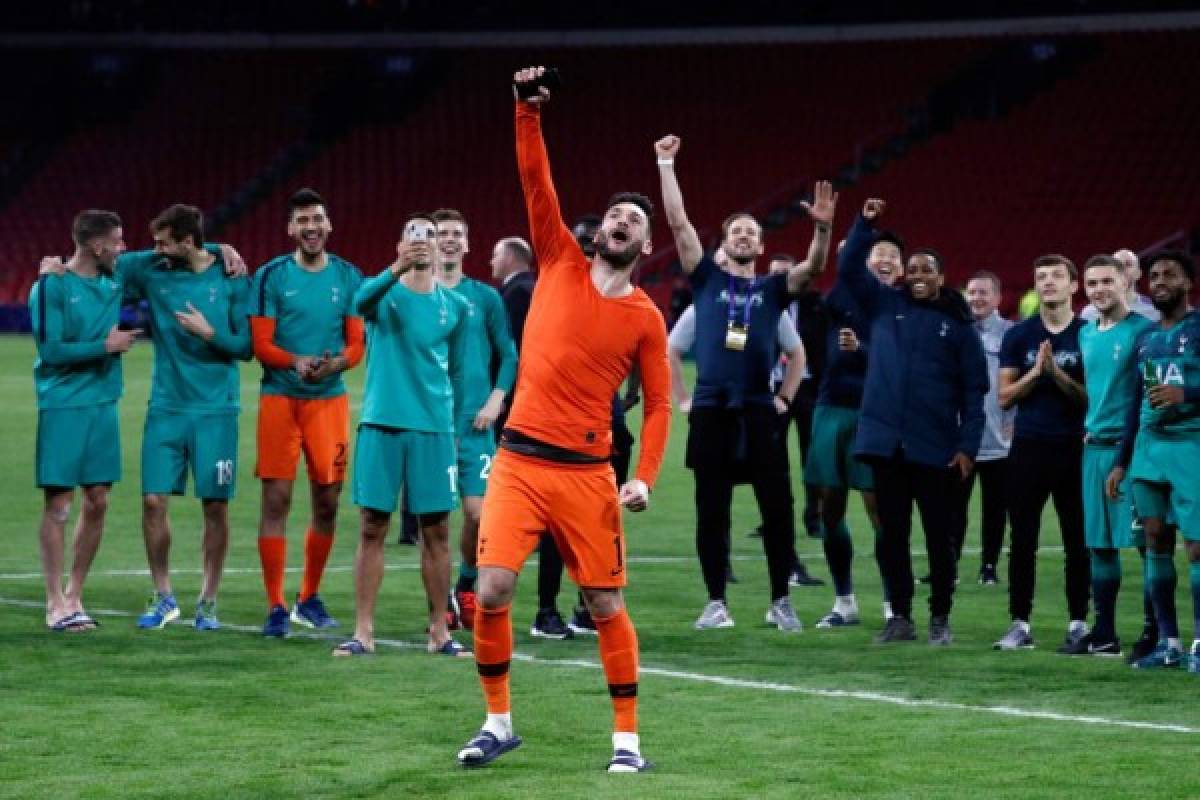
[(737, 333)]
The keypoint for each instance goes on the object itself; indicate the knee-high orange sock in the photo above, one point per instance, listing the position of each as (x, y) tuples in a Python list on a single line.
[(619, 654), (272, 551), (316, 553), (493, 652)]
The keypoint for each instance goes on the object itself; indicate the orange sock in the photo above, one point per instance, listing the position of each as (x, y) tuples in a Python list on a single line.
[(619, 654), (272, 551), (493, 652), (316, 553)]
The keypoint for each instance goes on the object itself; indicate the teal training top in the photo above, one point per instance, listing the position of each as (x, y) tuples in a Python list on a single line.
[(191, 374), (1174, 358), (1109, 360), (488, 342), (71, 317), (310, 310), (416, 355)]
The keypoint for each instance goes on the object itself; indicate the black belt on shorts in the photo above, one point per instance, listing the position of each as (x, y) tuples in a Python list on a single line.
[(517, 442)]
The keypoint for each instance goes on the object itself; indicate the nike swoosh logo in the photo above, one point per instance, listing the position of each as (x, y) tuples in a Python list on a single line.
[(291, 292)]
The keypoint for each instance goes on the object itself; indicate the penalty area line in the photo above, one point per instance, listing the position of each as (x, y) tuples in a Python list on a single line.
[(736, 683)]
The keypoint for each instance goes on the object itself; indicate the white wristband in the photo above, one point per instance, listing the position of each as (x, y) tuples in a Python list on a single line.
[(665, 162)]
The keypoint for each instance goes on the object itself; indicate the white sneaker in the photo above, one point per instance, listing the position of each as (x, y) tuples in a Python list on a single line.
[(783, 616), (714, 615)]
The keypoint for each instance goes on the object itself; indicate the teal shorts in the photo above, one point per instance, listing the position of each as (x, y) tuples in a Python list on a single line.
[(1106, 523), (78, 446), (176, 441), (1164, 478), (476, 449), (388, 460), (831, 463)]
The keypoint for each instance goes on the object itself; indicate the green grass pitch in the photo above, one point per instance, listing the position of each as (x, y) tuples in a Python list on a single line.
[(746, 712)]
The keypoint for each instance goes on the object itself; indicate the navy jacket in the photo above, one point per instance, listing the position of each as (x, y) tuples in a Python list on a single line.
[(927, 375)]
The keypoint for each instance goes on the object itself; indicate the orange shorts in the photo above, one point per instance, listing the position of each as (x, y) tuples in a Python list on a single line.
[(576, 503), (319, 426)]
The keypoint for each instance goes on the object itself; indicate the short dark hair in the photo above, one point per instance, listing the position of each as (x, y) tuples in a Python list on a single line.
[(1051, 259), (638, 199), (1179, 257), (788, 257), (728, 221), (303, 198), (987, 275), (518, 249), (1105, 260), (449, 215), (890, 236), (932, 255), (92, 224), (182, 221)]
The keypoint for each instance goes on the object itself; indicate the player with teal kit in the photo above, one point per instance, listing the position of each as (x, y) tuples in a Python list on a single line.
[(78, 380), (1109, 348), (1166, 453), (488, 342)]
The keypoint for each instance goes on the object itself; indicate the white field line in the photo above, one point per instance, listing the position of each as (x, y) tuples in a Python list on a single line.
[(735, 683), (143, 572)]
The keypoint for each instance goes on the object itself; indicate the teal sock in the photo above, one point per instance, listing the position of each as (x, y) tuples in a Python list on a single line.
[(1106, 582)]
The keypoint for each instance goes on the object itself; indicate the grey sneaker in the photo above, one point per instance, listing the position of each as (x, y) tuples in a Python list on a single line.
[(939, 631), (1076, 641), (1017, 637), (714, 615), (783, 617), (897, 629)]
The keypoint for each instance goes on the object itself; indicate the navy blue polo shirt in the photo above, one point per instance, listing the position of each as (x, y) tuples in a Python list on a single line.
[(1046, 412), (728, 378)]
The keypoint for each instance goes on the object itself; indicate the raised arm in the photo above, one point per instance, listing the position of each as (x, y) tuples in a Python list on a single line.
[(549, 234), (371, 291), (864, 287), (821, 210), (686, 240)]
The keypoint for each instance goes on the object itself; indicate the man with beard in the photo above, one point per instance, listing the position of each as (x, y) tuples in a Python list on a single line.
[(587, 326), (488, 343), (983, 296), (78, 379), (833, 468), (1109, 348), (413, 393), (921, 419), (1166, 455), (1041, 374), (735, 429), (306, 335)]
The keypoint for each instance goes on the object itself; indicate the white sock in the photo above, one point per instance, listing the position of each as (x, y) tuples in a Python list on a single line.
[(845, 605), (626, 741), (1077, 626), (1174, 642), (887, 610), (1024, 625), (499, 725)]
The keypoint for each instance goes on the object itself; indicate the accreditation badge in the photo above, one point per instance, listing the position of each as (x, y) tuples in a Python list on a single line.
[(736, 336)]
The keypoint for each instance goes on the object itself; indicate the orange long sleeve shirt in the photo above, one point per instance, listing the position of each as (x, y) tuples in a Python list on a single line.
[(579, 345)]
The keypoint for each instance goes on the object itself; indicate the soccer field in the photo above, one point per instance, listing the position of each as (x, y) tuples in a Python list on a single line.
[(745, 712)]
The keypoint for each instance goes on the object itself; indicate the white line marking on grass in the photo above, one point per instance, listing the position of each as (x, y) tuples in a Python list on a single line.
[(734, 683), (533, 562)]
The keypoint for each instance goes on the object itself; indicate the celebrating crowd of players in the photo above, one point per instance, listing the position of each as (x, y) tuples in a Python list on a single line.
[(919, 388)]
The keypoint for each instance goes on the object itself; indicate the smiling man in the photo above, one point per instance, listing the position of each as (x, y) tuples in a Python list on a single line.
[(587, 326), (735, 428), (922, 417), (306, 334), (1041, 375)]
